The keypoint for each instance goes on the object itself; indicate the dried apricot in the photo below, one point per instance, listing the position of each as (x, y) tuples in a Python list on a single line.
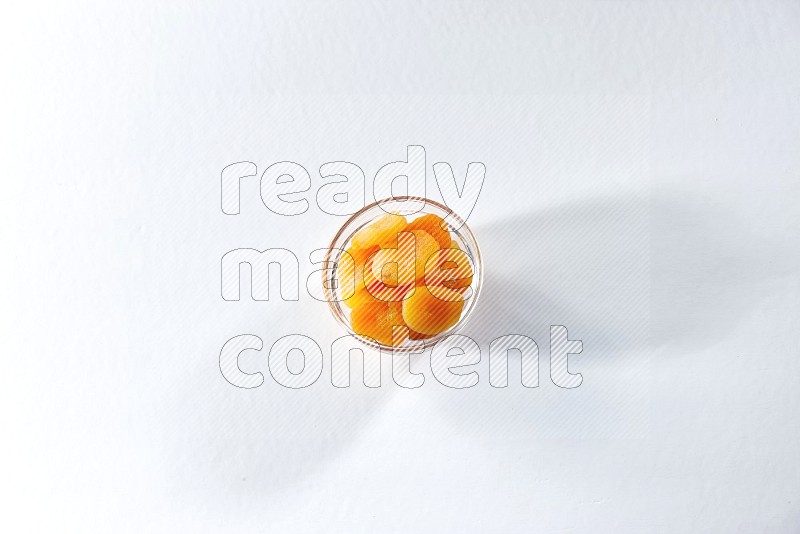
[(350, 275), (427, 314), (450, 268), (434, 226), (396, 266), (381, 232), (406, 263), (383, 289), (392, 272), (361, 255), (406, 280), (377, 320), (416, 335)]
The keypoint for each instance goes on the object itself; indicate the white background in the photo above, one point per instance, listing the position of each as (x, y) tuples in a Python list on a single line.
[(642, 180)]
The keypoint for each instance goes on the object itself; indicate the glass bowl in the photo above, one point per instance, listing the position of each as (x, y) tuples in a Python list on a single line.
[(411, 208)]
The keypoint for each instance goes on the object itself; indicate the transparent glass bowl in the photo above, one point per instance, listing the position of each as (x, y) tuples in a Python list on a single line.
[(401, 206)]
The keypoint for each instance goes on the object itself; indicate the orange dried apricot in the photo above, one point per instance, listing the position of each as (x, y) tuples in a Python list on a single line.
[(383, 290), (406, 263), (396, 266), (426, 246), (407, 280), (450, 268), (381, 232), (361, 255), (427, 314), (416, 335), (360, 297), (377, 320), (434, 226), (350, 275)]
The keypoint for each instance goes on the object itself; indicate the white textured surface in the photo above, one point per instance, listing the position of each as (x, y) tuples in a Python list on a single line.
[(642, 180)]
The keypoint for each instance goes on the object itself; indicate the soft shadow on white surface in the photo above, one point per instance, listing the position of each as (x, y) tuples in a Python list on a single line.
[(585, 263), (709, 269), (633, 278)]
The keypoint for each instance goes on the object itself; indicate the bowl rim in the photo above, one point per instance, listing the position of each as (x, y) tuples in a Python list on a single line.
[(334, 305)]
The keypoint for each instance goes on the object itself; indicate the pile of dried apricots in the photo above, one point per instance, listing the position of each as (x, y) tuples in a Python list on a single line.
[(398, 273)]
